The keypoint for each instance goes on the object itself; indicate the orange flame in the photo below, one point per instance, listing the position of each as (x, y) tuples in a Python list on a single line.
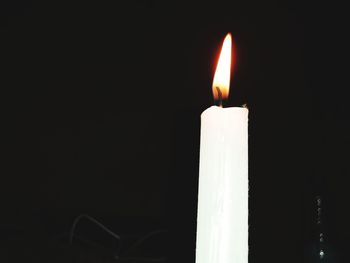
[(221, 82)]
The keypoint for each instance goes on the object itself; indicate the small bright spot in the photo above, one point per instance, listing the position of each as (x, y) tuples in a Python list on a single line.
[(321, 254)]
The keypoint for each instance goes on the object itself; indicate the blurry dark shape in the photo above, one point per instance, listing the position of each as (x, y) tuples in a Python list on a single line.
[(118, 257), (144, 238), (76, 221)]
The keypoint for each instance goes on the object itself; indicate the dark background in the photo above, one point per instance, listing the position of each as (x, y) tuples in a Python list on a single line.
[(101, 115)]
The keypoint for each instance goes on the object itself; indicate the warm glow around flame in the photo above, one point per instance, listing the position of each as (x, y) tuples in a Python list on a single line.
[(223, 70)]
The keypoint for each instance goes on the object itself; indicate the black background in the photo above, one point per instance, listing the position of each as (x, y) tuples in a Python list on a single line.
[(102, 103)]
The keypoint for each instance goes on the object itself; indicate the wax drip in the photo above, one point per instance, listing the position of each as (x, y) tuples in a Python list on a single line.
[(320, 228)]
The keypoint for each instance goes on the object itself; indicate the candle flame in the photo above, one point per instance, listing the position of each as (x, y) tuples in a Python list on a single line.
[(221, 82)]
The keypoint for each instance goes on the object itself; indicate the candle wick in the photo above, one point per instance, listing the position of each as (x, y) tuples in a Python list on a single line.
[(219, 96)]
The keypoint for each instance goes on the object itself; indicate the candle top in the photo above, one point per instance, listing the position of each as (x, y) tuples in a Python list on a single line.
[(215, 110)]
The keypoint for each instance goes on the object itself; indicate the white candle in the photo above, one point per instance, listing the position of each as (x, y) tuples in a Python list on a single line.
[(222, 221)]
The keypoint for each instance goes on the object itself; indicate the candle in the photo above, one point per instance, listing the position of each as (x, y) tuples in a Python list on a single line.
[(222, 220)]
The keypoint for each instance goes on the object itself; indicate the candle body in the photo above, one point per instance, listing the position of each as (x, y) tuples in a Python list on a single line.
[(222, 219)]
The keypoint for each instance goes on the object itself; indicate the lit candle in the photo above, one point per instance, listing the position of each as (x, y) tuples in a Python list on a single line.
[(222, 220)]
